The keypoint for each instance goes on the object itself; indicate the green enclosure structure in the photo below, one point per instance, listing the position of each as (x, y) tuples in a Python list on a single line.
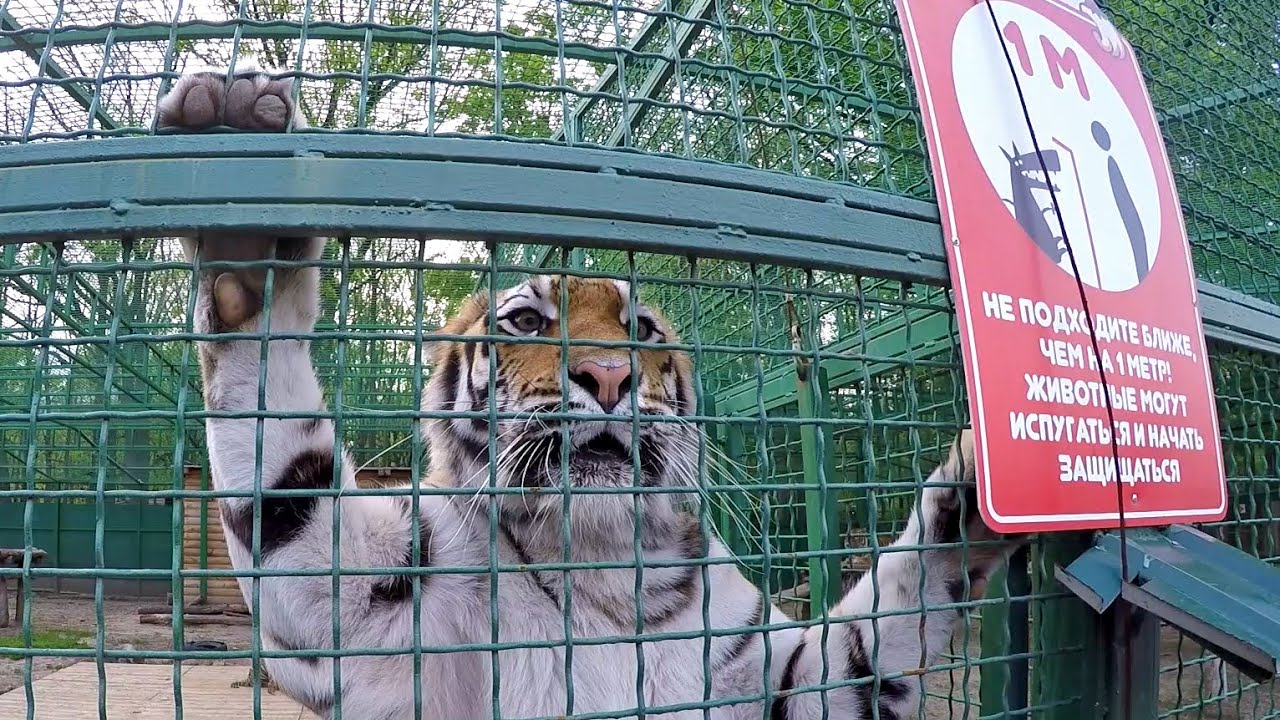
[(756, 168)]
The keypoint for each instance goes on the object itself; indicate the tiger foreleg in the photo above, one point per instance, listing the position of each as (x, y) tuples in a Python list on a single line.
[(906, 606), (257, 301)]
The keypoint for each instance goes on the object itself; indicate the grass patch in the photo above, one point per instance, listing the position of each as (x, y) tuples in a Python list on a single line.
[(46, 640)]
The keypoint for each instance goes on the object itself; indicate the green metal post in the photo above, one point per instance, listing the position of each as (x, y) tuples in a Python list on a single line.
[(1134, 641), (1070, 639), (719, 511), (1019, 628), (819, 503), (995, 643), (1005, 631), (10, 257), (736, 446), (204, 533), (55, 553)]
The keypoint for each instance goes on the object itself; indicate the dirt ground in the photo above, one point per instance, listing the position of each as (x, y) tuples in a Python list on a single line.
[(1190, 693), (52, 611)]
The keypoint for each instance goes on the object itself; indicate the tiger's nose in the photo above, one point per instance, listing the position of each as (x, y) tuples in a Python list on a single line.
[(606, 383)]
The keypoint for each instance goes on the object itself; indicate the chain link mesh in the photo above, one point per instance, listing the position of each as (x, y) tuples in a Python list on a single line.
[(100, 413)]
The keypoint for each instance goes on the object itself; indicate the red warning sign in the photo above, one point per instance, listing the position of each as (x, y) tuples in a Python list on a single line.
[(1101, 180)]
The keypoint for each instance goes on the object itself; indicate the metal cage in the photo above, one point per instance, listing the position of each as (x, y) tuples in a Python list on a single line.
[(754, 167)]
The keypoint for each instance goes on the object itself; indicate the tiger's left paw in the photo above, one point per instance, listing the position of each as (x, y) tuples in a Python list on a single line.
[(951, 517)]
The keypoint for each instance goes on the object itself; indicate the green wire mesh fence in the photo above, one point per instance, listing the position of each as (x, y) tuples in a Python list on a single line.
[(850, 384), (813, 89)]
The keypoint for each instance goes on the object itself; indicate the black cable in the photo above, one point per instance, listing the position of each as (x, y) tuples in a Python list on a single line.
[(1123, 609)]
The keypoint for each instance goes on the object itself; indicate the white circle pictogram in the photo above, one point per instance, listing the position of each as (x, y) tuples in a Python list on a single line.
[(1094, 156)]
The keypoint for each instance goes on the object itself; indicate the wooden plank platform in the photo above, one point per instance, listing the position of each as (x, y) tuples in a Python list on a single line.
[(145, 692)]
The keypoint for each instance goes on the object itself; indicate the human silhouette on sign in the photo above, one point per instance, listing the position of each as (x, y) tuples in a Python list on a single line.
[(1124, 203), (1026, 174)]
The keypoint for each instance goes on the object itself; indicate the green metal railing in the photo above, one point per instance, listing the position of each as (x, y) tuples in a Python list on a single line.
[(756, 167)]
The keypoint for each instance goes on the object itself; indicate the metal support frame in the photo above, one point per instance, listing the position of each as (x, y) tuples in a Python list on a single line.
[(647, 33), (15, 36), (635, 111), (917, 334), (665, 66), (81, 330)]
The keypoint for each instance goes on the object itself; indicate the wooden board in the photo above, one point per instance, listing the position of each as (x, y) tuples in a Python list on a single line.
[(146, 692)]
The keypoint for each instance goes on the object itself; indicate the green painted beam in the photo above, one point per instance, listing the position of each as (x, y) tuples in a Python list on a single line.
[(321, 145), (33, 46), (501, 191), (930, 332), (1213, 102), (1236, 318), (159, 32), (301, 183)]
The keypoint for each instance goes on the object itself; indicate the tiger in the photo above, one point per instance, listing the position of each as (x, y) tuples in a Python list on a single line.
[(659, 619)]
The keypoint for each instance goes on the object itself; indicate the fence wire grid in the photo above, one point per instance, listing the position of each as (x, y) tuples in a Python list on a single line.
[(818, 389)]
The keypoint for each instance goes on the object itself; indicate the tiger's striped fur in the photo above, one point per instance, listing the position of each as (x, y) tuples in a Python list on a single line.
[(574, 627)]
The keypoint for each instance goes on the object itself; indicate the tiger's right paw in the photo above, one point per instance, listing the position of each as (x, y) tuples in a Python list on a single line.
[(250, 100)]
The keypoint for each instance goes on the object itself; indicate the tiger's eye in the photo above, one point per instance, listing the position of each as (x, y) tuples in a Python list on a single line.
[(528, 320), (644, 329)]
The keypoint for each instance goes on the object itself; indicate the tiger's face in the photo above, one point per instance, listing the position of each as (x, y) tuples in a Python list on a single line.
[(529, 451)]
